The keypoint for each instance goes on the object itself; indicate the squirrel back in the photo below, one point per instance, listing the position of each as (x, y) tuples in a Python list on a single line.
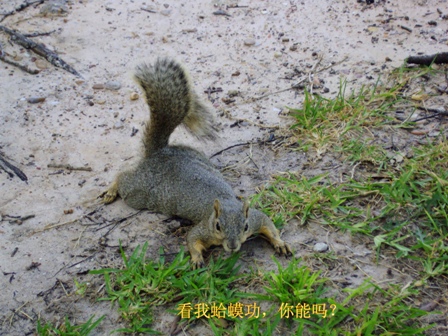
[(172, 101)]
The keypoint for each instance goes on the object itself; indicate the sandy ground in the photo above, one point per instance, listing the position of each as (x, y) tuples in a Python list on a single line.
[(258, 48)]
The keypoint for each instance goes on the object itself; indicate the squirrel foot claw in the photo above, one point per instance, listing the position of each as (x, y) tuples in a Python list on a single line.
[(110, 194), (283, 248), (197, 264)]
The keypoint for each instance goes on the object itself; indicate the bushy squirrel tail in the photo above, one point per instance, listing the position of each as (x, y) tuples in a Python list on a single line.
[(172, 101)]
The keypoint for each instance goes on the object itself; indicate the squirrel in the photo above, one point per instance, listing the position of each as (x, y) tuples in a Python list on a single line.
[(180, 181)]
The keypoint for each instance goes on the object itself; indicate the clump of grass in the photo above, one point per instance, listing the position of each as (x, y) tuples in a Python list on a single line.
[(327, 124), (68, 329), (143, 284)]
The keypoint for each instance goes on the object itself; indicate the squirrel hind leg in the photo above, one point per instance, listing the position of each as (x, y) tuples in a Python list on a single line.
[(110, 194)]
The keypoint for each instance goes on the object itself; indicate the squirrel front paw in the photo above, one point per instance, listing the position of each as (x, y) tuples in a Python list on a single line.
[(195, 264), (283, 248)]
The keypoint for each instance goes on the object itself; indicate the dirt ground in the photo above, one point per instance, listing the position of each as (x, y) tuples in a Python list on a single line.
[(52, 229)]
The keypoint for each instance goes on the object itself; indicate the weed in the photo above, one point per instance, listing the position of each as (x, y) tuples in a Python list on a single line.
[(67, 329)]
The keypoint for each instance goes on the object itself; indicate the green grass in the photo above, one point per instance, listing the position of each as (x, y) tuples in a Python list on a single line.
[(67, 329)]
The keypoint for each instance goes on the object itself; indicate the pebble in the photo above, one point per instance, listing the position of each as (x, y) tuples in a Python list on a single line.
[(285, 39), (35, 100), (320, 247), (98, 86), (249, 42), (233, 93), (118, 125), (41, 64), (165, 12), (54, 8), (293, 47), (134, 96), (113, 85)]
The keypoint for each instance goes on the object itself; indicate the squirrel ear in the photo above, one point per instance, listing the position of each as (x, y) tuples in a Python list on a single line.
[(246, 208), (217, 208)]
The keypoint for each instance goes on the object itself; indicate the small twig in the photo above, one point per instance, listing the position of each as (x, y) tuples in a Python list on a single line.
[(295, 85), (68, 167), (437, 113), (311, 73), (439, 58), (221, 12), (230, 147), (406, 28), (80, 262), (21, 8), (5, 164), (115, 223), (15, 311), (39, 49), (39, 34), (18, 65), (148, 10), (430, 117), (250, 121), (236, 6)]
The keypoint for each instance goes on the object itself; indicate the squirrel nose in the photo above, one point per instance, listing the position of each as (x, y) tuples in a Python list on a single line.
[(233, 246)]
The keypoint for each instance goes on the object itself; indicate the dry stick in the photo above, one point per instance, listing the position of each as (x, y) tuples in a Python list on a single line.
[(221, 12), (228, 115), (39, 49), (21, 8), (437, 112), (17, 171), (230, 147), (439, 58), (39, 34), (148, 10), (296, 85), (312, 71), (68, 167), (20, 66)]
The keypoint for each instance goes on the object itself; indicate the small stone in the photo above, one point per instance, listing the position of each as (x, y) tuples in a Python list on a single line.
[(293, 47), (233, 93), (79, 81), (54, 8), (388, 59), (98, 86), (165, 12), (249, 42), (113, 85), (35, 100), (190, 30), (118, 125), (320, 247), (285, 39), (134, 96), (41, 64)]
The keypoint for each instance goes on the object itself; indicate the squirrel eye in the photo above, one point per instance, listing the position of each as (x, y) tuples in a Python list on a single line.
[(218, 227), (246, 228)]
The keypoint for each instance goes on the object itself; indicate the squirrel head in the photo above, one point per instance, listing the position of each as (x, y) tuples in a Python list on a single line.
[(230, 225)]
